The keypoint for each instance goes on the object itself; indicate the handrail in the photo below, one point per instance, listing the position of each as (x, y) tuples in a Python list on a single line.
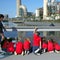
[(22, 29)]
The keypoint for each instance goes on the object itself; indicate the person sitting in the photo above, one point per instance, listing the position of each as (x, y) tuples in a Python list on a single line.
[(27, 45), (19, 48), (10, 48), (44, 45), (56, 47), (50, 46), (4, 44)]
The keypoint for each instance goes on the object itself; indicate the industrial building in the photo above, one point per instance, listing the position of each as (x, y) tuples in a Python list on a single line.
[(21, 9)]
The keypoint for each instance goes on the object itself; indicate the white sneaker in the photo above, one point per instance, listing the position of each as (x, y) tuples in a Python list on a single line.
[(15, 53), (37, 54), (37, 50), (56, 51), (22, 53), (25, 51), (44, 50), (51, 51)]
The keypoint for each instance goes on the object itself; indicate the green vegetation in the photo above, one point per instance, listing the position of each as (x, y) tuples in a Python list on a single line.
[(57, 21), (27, 19)]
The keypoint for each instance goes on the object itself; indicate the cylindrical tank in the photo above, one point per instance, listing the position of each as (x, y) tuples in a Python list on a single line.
[(45, 9), (37, 12)]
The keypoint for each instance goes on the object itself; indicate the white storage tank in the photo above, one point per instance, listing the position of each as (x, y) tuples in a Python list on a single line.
[(37, 12)]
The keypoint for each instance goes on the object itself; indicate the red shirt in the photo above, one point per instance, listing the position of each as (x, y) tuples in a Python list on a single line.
[(57, 46), (50, 46), (26, 45), (5, 44), (19, 47), (36, 40), (10, 47), (44, 45)]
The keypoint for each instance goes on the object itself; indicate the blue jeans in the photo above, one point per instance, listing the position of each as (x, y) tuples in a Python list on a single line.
[(35, 48)]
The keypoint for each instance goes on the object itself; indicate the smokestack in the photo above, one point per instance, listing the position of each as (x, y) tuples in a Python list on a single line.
[(45, 9)]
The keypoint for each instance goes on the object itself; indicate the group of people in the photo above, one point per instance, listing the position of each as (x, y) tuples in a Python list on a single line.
[(42, 45), (39, 44)]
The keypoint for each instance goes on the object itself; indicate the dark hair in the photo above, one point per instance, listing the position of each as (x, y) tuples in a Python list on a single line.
[(1, 15), (10, 39), (38, 33), (44, 38), (5, 38), (51, 40)]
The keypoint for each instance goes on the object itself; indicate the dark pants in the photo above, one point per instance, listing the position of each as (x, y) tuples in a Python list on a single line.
[(4, 49), (0, 39)]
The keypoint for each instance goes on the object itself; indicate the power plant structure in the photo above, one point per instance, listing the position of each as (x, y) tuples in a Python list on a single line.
[(50, 9), (21, 9), (45, 11), (37, 13)]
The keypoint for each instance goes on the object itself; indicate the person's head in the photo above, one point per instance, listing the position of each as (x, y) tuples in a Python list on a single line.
[(10, 39), (55, 41), (28, 39), (38, 33), (1, 17), (5, 38), (51, 40), (19, 39), (44, 38)]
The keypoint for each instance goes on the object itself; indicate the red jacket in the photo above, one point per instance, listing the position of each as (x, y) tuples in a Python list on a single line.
[(50, 46), (19, 47), (36, 40), (5, 44), (10, 47), (57, 46), (44, 45), (26, 45)]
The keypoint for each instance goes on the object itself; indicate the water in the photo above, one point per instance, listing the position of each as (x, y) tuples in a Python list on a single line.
[(10, 24), (11, 34), (29, 34)]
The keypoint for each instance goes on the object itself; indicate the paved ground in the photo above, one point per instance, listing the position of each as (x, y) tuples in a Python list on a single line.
[(45, 56)]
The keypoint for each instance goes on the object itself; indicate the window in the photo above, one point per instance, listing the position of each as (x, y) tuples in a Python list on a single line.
[(21, 12), (51, 33)]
